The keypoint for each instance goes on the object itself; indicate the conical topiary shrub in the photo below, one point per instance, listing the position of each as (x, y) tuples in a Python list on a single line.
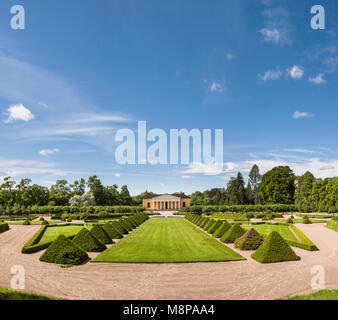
[(26, 222), (205, 222), (214, 226), (251, 240), (235, 232), (64, 251), (290, 221), (85, 240), (207, 225), (201, 221), (112, 232), (306, 220), (101, 235), (119, 227), (274, 249), (225, 226), (126, 223)]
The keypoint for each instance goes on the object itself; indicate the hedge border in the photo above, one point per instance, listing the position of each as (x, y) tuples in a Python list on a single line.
[(333, 225), (4, 227)]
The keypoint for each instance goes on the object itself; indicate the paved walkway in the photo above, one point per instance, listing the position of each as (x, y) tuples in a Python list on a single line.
[(223, 280)]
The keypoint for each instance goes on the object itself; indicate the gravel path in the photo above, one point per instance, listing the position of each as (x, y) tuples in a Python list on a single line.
[(223, 280)]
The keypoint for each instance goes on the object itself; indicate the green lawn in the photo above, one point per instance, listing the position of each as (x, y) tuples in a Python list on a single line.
[(53, 232), (319, 295), (167, 240), (7, 294), (265, 229)]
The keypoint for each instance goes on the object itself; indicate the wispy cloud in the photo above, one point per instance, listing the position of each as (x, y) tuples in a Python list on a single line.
[(19, 112), (217, 87), (271, 75), (299, 114), (230, 56), (270, 35), (318, 79), (46, 152), (296, 72)]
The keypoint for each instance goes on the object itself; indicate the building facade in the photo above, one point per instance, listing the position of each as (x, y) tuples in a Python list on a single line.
[(166, 202)]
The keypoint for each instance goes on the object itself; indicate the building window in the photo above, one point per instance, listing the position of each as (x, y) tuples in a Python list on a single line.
[(148, 204), (183, 204)]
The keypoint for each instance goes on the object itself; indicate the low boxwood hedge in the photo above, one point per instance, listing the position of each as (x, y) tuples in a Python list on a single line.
[(333, 225), (4, 227)]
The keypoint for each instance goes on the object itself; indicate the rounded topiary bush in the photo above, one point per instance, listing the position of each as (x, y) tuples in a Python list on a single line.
[(235, 232), (251, 240), (274, 249), (98, 232), (64, 251), (85, 240), (290, 221)]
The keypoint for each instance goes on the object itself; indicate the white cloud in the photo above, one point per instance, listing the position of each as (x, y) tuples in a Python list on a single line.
[(299, 114), (230, 56), (186, 177), (271, 75), (296, 72), (46, 152), (205, 168), (19, 112), (270, 35), (318, 79), (117, 175), (216, 87), (92, 117)]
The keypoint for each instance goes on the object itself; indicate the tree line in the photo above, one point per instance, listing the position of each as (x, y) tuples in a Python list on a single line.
[(278, 186), (63, 194)]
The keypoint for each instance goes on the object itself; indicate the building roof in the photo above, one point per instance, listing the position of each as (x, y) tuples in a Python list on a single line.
[(179, 195)]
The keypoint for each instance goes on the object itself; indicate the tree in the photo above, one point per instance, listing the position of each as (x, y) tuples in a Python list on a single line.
[(97, 189), (84, 200), (60, 193), (254, 180), (236, 190), (78, 187), (304, 186), (125, 198), (277, 186)]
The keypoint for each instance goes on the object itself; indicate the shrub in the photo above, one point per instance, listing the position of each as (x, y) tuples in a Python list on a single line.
[(99, 233), (119, 226), (251, 240), (274, 249), (112, 232), (214, 226), (289, 221), (306, 220), (44, 222), (125, 224), (26, 222), (4, 227), (64, 251), (235, 232), (225, 226), (85, 240), (205, 222), (332, 210), (333, 225)]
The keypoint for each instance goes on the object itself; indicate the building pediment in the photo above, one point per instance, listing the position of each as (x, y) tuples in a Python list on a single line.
[(166, 197)]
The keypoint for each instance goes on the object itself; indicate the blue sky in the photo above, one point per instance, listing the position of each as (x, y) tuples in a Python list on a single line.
[(83, 69)]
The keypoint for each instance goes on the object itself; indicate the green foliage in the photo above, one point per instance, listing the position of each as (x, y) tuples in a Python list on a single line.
[(7, 294), (251, 240), (209, 224), (4, 227), (214, 226), (306, 220), (289, 221), (235, 232), (277, 186), (224, 227), (112, 232), (86, 240), (64, 251), (333, 225), (99, 233), (27, 222), (274, 249)]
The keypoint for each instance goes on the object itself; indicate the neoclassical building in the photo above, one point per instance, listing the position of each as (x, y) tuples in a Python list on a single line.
[(166, 201)]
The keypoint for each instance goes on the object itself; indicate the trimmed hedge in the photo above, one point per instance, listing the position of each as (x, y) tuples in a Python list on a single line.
[(112, 232), (209, 224), (225, 226), (118, 225), (274, 249), (235, 232), (86, 240), (99, 233), (251, 240), (4, 227), (64, 251), (305, 243), (214, 226), (333, 225)]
